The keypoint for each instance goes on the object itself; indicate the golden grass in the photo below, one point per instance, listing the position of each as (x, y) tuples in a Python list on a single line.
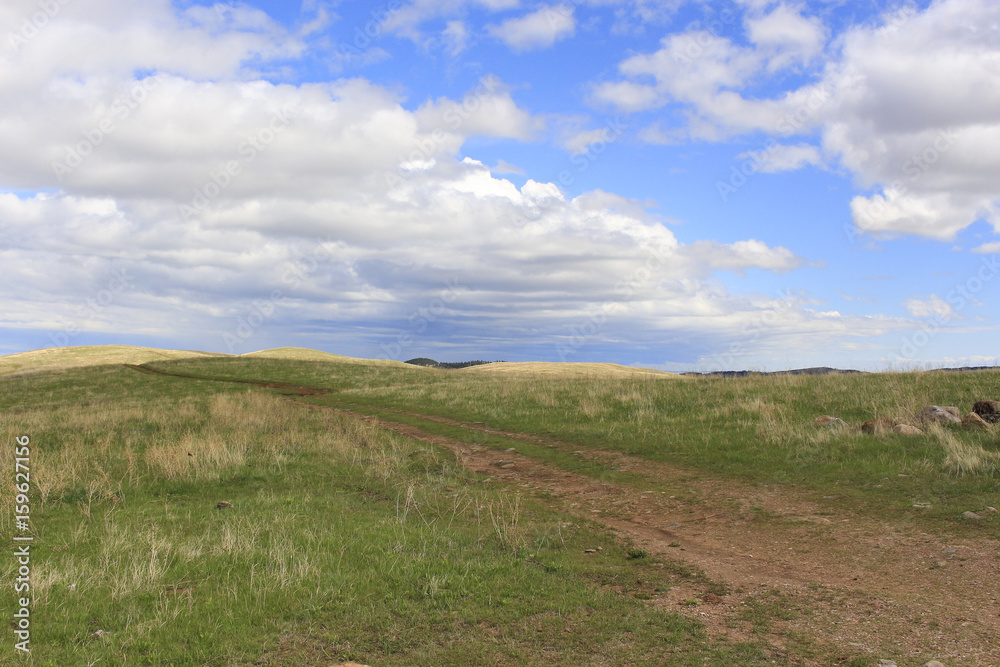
[(305, 354), (568, 370), (60, 358)]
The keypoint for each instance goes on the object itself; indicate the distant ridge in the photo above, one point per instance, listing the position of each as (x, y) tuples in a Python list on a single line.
[(818, 370), (569, 369), (430, 363)]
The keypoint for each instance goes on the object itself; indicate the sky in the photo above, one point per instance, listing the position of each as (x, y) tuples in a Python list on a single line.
[(682, 185)]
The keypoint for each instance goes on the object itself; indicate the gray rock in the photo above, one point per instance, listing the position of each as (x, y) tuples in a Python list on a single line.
[(940, 415), (906, 429), (933, 663), (972, 516)]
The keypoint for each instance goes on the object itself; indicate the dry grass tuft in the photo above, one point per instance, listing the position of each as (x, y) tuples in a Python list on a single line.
[(963, 457)]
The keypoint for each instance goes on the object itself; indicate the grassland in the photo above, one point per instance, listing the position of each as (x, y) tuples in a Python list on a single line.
[(349, 541)]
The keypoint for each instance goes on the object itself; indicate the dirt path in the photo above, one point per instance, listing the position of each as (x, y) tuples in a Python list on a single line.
[(850, 580), (892, 591)]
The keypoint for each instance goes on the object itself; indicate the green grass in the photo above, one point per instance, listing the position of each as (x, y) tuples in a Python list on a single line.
[(757, 430), (343, 542)]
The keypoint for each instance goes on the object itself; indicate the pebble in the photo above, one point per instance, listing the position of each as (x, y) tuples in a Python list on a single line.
[(971, 516), (933, 663)]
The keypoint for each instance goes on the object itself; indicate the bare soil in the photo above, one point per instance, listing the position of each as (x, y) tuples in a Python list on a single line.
[(848, 581)]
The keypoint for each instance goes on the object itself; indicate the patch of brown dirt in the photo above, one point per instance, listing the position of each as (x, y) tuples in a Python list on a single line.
[(850, 581)]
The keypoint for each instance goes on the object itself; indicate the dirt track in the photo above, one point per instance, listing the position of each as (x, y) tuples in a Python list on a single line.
[(852, 581)]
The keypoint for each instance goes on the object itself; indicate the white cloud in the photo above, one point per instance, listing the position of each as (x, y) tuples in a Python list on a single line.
[(933, 306), (787, 37), (488, 110), (537, 30), (504, 167), (358, 209), (456, 37), (780, 157), (906, 105), (988, 248)]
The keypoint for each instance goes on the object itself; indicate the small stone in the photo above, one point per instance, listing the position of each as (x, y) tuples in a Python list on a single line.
[(975, 422), (223, 505), (991, 509), (906, 429), (972, 516), (831, 422), (933, 663), (100, 633), (886, 663)]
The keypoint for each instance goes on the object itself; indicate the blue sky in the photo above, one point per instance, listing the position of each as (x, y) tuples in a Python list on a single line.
[(674, 184)]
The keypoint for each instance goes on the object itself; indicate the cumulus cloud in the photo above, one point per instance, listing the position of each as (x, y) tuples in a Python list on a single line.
[(932, 306), (786, 36), (537, 30), (779, 157), (226, 201), (904, 104)]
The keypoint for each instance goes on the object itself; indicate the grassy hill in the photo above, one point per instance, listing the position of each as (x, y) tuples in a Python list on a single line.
[(61, 358), (397, 515)]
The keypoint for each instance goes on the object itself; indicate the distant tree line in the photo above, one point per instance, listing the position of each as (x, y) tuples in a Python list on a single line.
[(430, 363)]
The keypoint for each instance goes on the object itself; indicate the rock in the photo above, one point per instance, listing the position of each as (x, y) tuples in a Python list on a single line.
[(933, 663), (940, 415), (223, 505), (832, 422), (975, 422), (886, 663), (877, 426), (972, 516), (906, 429), (350, 664), (988, 410), (991, 509)]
